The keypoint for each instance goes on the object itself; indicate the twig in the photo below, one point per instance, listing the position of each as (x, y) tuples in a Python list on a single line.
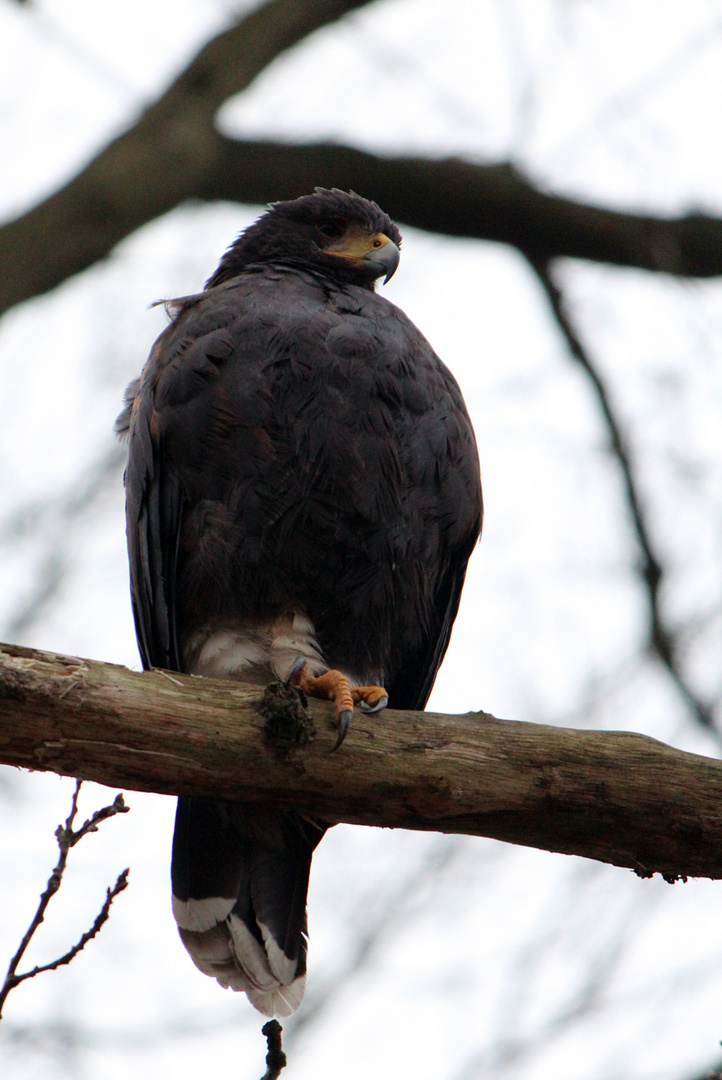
[(121, 883), (167, 676), (663, 642), (67, 838), (275, 1058)]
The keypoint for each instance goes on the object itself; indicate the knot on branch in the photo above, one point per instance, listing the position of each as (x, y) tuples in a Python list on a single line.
[(288, 724)]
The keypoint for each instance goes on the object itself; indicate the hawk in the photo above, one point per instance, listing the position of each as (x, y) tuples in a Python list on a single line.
[(302, 495)]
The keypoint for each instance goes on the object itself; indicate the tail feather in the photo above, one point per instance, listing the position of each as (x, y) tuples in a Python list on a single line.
[(281, 1002), (212, 953), (240, 878)]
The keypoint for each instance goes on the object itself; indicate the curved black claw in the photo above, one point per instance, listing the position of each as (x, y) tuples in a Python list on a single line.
[(298, 665), (380, 704), (344, 721)]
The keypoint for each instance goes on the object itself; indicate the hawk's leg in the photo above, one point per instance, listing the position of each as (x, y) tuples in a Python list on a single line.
[(334, 686)]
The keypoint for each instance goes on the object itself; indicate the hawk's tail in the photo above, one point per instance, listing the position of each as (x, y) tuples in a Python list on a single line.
[(240, 877)]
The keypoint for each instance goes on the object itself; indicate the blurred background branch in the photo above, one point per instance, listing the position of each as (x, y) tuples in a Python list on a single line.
[(663, 640), (173, 153)]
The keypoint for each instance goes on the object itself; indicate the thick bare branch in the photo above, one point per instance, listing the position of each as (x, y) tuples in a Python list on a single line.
[(614, 796), (457, 198), (483, 202), (160, 161), (174, 153)]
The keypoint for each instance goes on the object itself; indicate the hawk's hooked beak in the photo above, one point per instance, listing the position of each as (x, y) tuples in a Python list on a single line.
[(384, 259)]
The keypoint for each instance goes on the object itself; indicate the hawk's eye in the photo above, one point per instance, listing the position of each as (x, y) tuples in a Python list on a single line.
[(332, 229)]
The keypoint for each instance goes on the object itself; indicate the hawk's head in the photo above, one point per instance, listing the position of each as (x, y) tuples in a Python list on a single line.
[(346, 237)]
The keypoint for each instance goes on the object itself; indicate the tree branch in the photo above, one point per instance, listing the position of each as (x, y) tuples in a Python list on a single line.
[(613, 796), (275, 1058), (159, 162), (174, 153), (663, 642), (67, 837), (460, 198)]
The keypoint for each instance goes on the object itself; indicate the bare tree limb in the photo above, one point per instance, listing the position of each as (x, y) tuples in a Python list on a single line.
[(67, 838), (174, 153), (159, 162), (464, 199), (663, 642), (617, 797)]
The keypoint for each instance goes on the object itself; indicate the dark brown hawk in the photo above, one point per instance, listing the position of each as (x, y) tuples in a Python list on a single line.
[(302, 497)]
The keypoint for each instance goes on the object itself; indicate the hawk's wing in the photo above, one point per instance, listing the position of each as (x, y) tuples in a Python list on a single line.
[(239, 873), (411, 688), (153, 516)]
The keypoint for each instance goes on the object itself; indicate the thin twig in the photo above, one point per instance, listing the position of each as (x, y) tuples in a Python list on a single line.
[(67, 838), (663, 642), (167, 676), (101, 917), (275, 1058)]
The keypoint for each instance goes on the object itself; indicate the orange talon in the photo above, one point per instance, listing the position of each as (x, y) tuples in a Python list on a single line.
[(370, 698), (331, 686), (334, 686)]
